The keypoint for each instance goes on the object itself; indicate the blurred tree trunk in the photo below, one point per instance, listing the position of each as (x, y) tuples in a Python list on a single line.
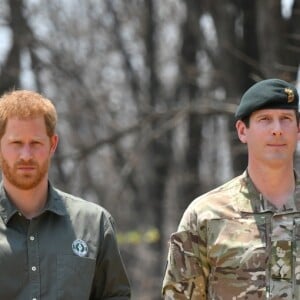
[(270, 36), (156, 157), (231, 63), (191, 45), (11, 69)]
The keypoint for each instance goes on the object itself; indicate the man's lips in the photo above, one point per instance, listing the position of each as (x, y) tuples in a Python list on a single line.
[(26, 167), (276, 145)]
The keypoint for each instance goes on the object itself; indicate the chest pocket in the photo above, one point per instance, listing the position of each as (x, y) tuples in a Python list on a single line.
[(238, 259), (281, 240), (237, 243), (296, 238), (74, 277)]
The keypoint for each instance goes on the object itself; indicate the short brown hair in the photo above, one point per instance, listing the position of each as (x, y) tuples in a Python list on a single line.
[(25, 104)]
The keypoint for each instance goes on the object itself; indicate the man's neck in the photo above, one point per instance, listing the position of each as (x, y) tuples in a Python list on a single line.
[(276, 185), (30, 202)]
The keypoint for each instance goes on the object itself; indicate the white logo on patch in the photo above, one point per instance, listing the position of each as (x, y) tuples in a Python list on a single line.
[(80, 247)]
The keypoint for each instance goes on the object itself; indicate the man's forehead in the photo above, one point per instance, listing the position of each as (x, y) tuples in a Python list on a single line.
[(19, 127), (272, 111)]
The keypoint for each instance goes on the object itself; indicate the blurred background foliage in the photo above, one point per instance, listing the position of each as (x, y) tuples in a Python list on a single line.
[(145, 91)]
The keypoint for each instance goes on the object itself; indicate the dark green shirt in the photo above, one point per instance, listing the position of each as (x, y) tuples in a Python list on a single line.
[(68, 252)]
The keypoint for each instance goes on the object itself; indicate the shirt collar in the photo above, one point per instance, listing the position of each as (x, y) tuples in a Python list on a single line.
[(253, 200), (54, 204)]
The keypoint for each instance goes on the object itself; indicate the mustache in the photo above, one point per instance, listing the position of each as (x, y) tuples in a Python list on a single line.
[(26, 163)]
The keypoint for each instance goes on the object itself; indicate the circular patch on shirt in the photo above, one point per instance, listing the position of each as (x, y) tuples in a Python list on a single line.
[(80, 247)]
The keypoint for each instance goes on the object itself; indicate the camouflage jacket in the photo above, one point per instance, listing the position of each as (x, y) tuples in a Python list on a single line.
[(233, 244)]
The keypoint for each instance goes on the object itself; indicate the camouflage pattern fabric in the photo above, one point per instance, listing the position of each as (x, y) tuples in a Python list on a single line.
[(232, 244)]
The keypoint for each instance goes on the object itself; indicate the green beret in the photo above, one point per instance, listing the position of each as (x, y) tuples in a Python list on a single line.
[(269, 93)]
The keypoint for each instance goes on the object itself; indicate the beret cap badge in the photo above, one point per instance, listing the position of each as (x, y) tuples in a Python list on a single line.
[(290, 94)]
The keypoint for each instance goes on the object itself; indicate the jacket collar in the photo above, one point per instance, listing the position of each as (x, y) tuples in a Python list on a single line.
[(254, 202)]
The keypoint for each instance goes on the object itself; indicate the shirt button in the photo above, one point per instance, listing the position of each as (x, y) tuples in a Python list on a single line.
[(33, 268), (31, 238)]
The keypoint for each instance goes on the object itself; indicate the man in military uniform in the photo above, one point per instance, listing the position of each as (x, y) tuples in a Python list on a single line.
[(242, 239)]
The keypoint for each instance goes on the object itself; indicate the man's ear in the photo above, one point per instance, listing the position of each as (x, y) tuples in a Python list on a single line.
[(299, 132), (54, 142), (241, 131)]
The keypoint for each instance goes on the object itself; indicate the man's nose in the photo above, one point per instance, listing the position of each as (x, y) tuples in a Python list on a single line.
[(26, 152), (277, 130)]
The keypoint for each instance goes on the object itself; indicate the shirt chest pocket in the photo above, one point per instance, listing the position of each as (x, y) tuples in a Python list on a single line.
[(13, 266), (237, 244), (236, 250), (74, 277)]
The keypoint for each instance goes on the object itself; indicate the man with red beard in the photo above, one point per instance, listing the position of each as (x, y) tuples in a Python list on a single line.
[(53, 245)]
